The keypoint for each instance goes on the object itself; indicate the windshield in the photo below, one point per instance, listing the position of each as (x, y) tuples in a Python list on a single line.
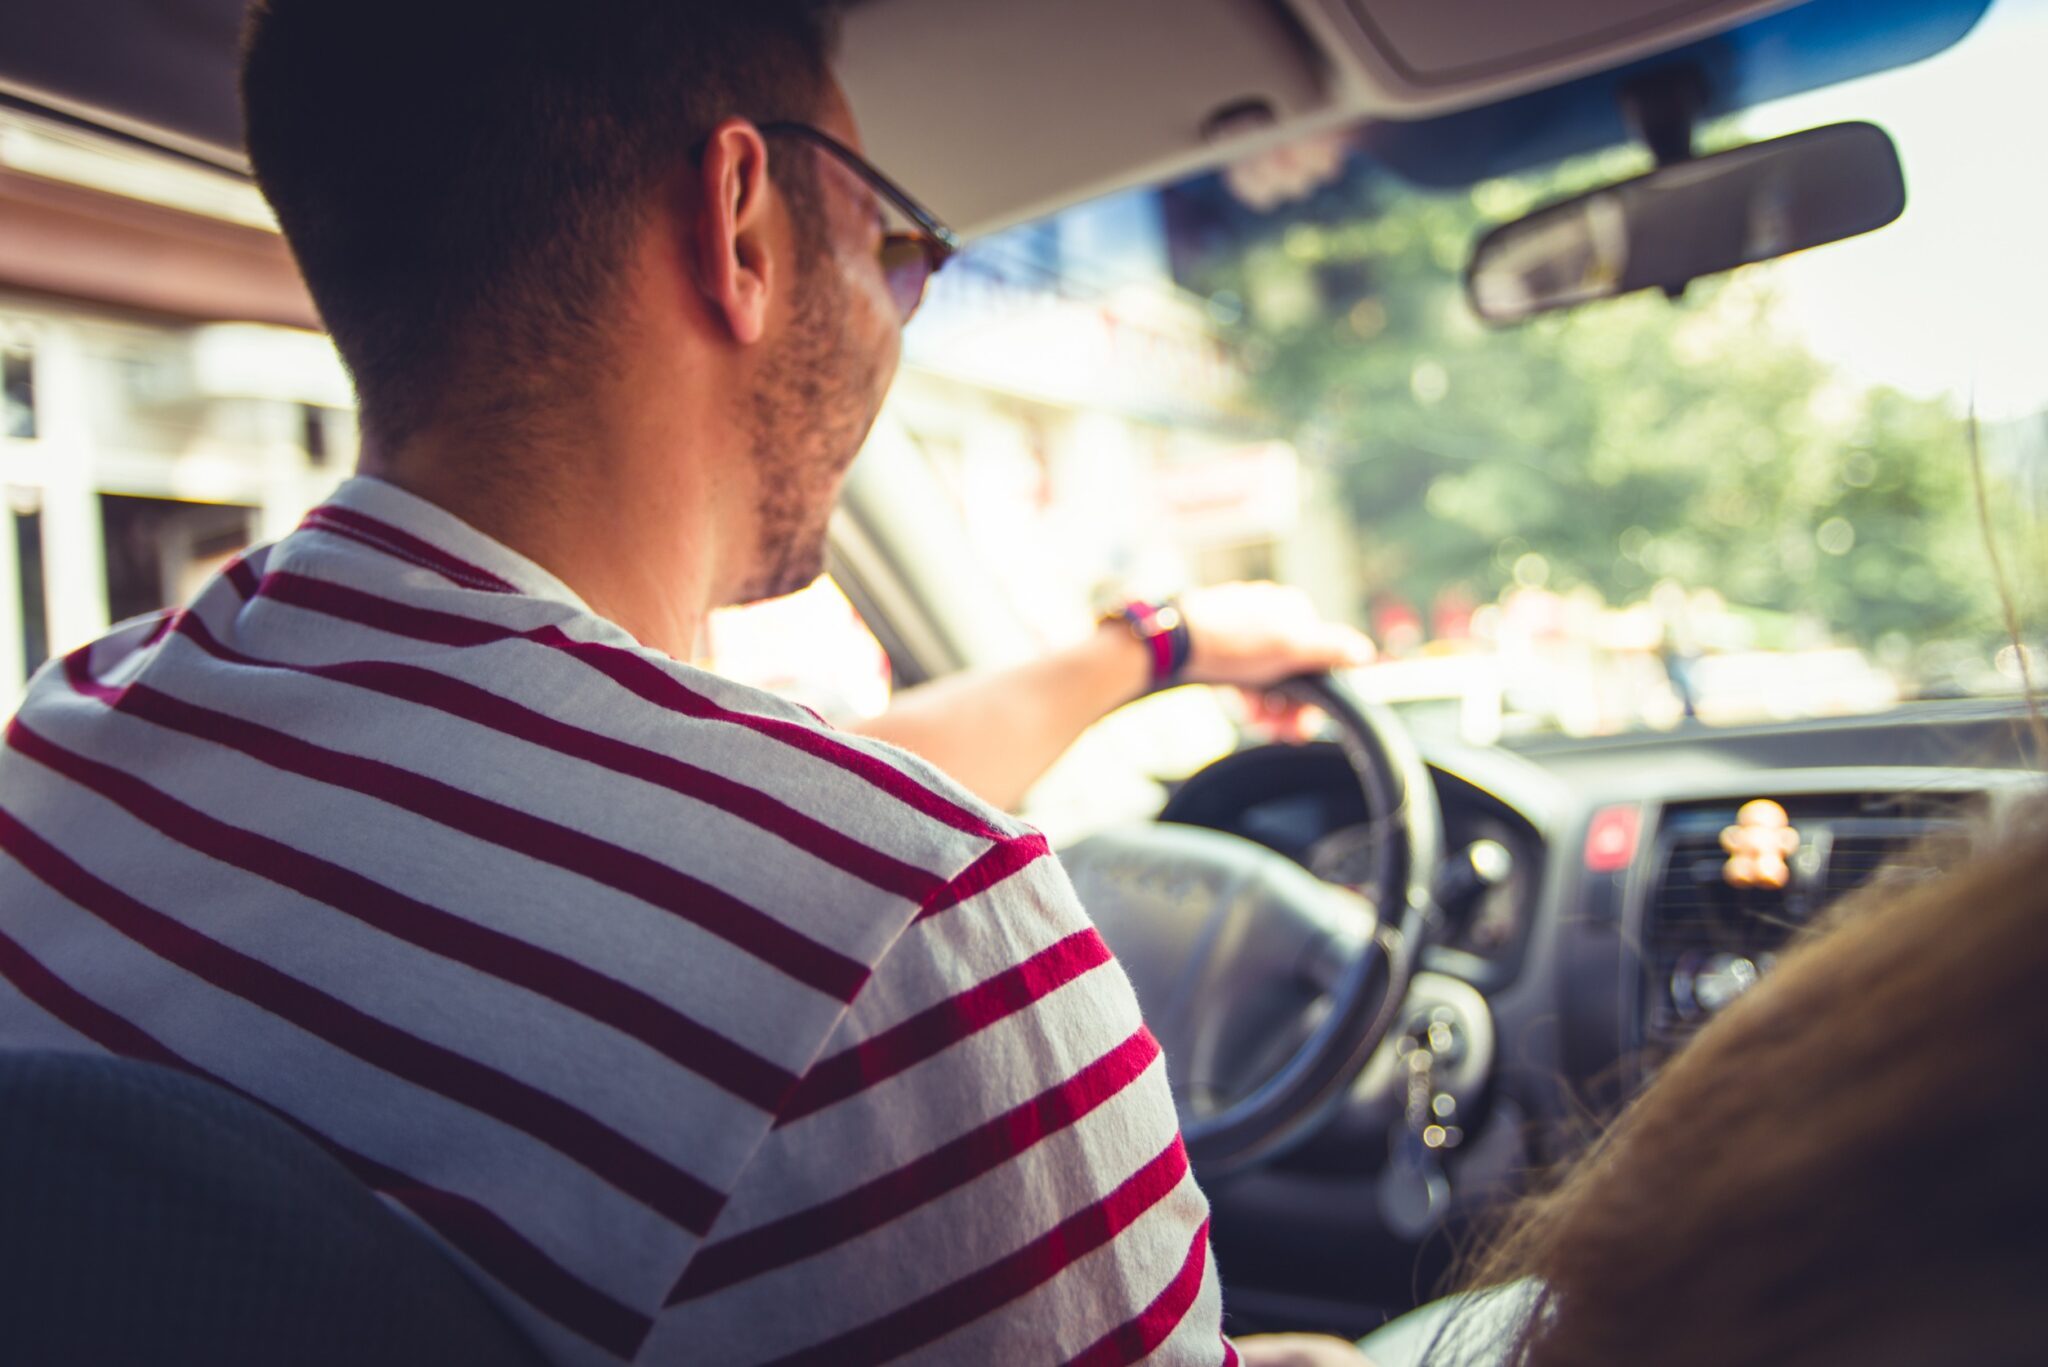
[(1780, 497)]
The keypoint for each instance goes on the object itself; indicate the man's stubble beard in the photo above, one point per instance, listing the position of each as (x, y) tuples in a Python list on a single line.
[(817, 401)]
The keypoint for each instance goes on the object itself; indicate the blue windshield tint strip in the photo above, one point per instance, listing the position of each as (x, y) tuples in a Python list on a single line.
[(1820, 43)]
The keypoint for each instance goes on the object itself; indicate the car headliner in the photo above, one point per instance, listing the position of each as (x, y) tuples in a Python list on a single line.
[(997, 114)]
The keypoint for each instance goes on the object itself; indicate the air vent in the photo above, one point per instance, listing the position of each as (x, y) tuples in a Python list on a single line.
[(1705, 941)]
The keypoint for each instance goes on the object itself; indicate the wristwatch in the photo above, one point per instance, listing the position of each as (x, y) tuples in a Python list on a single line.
[(1163, 631)]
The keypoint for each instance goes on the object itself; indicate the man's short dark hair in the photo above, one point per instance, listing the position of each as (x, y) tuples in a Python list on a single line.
[(461, 179)]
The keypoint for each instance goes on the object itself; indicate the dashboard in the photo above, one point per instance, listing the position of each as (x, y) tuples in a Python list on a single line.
[(1621, 924)]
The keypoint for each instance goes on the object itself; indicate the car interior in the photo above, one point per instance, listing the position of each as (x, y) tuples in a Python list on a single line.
[(1401, 967)]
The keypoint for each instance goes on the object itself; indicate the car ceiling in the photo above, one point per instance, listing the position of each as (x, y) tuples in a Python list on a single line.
[(999, 112)]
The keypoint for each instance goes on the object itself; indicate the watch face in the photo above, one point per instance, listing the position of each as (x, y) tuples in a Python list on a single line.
[(1163, 632)]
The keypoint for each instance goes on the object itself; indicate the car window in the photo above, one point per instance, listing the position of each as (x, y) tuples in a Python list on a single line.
[(1754, 504), (811, 647)]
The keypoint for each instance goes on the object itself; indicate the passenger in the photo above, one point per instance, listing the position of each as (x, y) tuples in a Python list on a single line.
[(1850, 1165), (696, 1030)]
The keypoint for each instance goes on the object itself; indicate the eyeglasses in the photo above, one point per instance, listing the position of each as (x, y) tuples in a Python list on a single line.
[(910, 255)]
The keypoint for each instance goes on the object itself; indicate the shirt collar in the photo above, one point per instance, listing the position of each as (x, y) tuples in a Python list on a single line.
[(386, 517)]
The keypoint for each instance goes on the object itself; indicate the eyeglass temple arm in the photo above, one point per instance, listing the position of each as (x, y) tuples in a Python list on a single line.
[(944, 239)]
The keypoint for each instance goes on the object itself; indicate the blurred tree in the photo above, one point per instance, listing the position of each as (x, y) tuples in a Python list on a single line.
[(1614, 446)]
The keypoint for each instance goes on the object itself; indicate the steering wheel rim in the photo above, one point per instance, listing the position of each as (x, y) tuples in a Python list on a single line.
[(1401, 802), (1366, 984), (1398, 793)]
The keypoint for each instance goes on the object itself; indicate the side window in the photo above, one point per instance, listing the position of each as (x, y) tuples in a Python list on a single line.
[(27, 514), (811, 648), (313, 438), (18, 375), (160, 552)]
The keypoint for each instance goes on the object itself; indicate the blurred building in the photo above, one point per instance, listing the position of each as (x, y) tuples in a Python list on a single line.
[(166, 400), (1090, 417)]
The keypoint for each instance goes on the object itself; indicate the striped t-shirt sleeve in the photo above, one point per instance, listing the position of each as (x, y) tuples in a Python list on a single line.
[(982, 1166)]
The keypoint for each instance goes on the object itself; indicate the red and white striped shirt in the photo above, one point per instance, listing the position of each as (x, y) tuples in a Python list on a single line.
[(695, 1030)]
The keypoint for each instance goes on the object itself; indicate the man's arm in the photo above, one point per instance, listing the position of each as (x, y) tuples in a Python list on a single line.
[(997, 733)]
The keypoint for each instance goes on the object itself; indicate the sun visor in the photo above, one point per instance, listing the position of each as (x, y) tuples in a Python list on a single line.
[(1422, 57)]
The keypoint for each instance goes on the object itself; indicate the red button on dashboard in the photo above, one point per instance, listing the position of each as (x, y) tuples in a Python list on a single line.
[(1611, 839)]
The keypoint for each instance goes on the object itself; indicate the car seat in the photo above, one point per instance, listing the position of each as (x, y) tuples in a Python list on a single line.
[(148, 1217)]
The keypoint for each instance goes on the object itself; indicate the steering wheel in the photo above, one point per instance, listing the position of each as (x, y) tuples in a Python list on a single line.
[(1268, 988)]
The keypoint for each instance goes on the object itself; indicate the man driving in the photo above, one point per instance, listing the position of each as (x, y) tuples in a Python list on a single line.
[(693, 1029)]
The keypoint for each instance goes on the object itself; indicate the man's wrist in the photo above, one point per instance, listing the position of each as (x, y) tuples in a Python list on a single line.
[(1161, 630), (1123, 663)]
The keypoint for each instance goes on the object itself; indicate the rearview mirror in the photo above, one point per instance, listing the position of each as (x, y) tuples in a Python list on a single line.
[(1690, 219)]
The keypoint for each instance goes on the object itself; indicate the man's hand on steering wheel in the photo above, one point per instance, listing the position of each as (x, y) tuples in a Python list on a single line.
[(1253, 636)]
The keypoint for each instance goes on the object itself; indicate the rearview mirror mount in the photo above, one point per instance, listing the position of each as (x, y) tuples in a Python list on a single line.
[(1690, 219)]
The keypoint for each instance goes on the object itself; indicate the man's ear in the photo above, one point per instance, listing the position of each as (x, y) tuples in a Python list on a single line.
[(733, 248)]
